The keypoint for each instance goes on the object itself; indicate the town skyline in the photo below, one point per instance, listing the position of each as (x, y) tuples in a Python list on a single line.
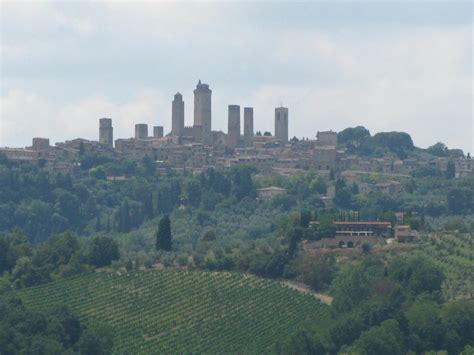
[(385, 66), (139, 129)]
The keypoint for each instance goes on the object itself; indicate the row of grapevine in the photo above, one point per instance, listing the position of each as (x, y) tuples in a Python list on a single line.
[(178, 311), (454, 254)]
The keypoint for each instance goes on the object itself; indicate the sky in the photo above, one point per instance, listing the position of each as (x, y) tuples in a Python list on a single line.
[(389, 66)]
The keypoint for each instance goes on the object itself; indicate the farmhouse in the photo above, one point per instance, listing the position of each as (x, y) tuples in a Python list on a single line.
[(360, 228), (269, 192)]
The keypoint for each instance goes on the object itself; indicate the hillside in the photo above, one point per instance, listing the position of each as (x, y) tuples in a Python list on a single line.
[(182, 311)]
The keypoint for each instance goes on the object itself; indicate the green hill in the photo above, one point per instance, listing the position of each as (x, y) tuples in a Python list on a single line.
[(182, 311)]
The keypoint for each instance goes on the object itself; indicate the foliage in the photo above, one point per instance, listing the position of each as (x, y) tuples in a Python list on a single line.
[(460, 200), (163, 235), (103, 251), (53, 331), (383, 339), (183, 311)]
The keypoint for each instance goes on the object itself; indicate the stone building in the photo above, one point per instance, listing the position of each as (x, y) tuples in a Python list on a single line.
[(106, 132), (158, 132), (141, 131), (177, 115), (40, 144), (281, 124), (233, 130), (203, 110), (269, 192), (327, 138), (324, 157), (248, 126)]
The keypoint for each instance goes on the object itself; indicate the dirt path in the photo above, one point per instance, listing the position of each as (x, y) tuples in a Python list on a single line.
[(298, 286)]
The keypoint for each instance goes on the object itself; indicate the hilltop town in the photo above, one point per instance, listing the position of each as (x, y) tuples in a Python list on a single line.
[(198, 147)]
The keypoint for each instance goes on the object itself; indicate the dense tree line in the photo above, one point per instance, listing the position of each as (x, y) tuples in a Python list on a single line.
[(42, 204), (24, 265), (358, 140), (392, 307), (57, 331)]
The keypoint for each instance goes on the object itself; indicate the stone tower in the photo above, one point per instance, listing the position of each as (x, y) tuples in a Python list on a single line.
[(202, 110), (106, 132), (158, 132), (248, 126), (233, 128), (281, 124), (141, 131), (177, 115)]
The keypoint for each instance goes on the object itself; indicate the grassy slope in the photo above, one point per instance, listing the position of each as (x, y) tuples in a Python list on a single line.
[(183, 311)]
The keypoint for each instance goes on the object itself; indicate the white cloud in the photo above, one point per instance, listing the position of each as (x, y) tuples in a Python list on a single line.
[(404, 77), (26, 114)]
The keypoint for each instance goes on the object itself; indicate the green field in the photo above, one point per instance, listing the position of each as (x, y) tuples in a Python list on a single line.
[(182, 311)]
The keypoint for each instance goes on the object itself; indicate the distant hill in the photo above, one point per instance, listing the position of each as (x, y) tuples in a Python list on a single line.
[(182, 311)]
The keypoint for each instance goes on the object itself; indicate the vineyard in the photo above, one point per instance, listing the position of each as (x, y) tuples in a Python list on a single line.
[(454, 253), (180, 311)]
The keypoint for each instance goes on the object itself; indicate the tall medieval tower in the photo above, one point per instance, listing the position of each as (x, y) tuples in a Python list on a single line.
[(281, 124), (202, 110), (248, 126), (177, 115), (106, 132), (233, 126)]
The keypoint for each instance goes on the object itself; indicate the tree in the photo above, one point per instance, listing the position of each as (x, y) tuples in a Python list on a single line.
[(326, 227), (385, 339), (81, 148), (317, 272), (164, 200), (148, 205), (103, 251), (343, 197), (460, 200), (450, 170), (302, 342), (425, 326), (163, 235), (148, 165), (366, 248), (97, 340), (458, 318), (124, 215), (193, 193), (416, 273), (242, 184), (353, 137), (305, 218), (439, 149)]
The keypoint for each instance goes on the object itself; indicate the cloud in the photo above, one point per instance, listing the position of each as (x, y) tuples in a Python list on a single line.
[(27, 114), (333, 69)]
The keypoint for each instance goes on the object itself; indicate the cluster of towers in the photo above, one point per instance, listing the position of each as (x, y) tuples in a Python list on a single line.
[(201, 131), (203, 120)]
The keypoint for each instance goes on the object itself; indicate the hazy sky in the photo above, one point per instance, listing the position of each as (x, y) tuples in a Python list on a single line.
[(385, 65)]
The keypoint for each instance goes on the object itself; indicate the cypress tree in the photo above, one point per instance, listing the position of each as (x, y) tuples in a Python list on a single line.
[(163, 236), (451, 170), (148, 205)]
